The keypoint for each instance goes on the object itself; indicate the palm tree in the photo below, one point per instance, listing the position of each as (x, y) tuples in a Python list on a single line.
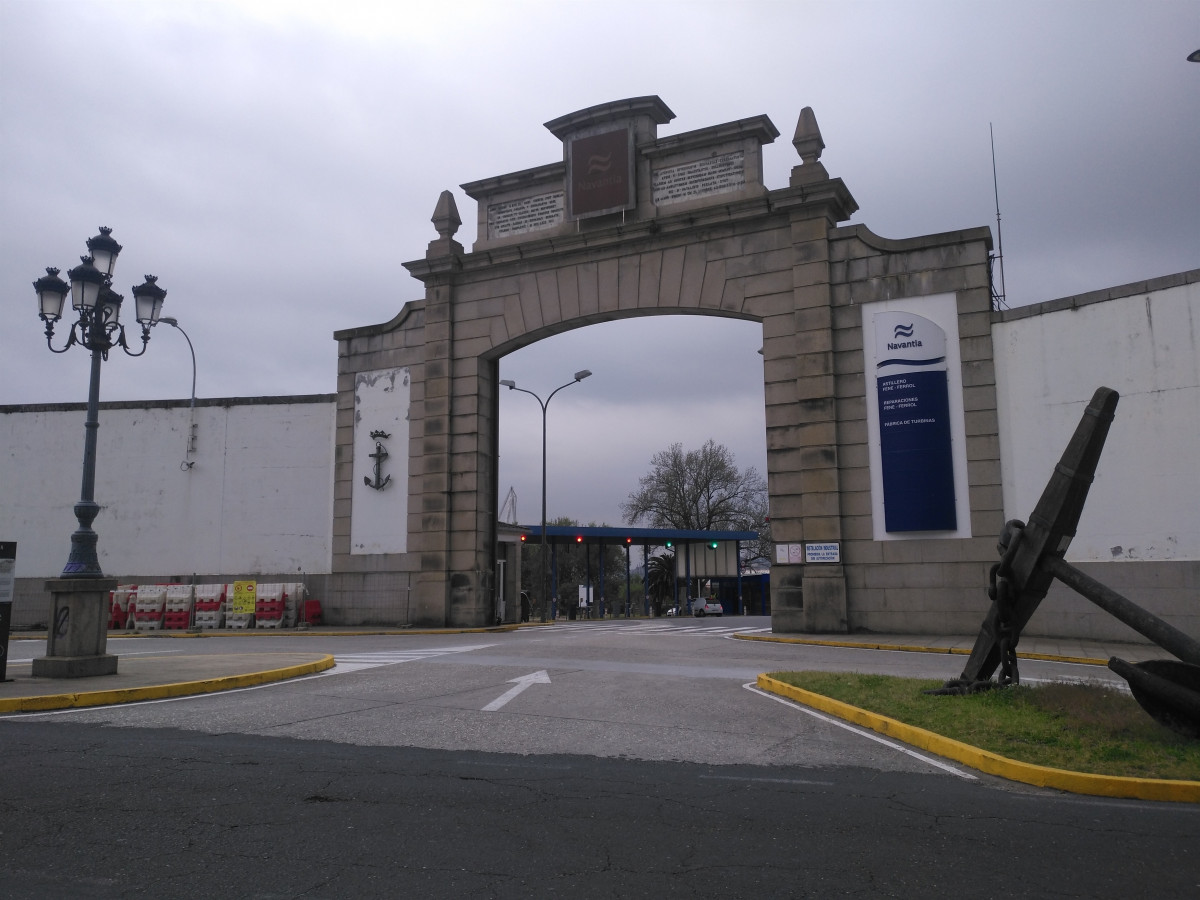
[(660, 584)]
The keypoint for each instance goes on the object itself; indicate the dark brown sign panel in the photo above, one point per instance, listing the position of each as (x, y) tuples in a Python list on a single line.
[(601, 173)]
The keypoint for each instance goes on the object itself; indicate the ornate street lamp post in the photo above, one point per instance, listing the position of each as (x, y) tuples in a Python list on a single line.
[(511, 385), (79, 620)]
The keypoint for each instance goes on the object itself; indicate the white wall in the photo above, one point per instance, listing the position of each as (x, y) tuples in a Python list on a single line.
[(379, 518), (1145, 501), (259, 498)]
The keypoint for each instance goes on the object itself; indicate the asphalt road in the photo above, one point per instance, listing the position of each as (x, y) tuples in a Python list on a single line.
[(574, 761)]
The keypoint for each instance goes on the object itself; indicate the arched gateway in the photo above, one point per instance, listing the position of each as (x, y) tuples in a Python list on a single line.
[(882, 450)]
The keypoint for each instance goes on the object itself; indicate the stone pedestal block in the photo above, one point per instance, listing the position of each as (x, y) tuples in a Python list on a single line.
[(78, 629), (824, 600), (787, 598)]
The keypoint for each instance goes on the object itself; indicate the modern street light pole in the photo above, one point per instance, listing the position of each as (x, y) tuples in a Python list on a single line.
[(579, 376), (188, 462), (75, 646)]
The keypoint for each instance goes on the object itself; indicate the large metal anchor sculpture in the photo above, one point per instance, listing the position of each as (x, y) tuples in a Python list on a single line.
[(1031, 557)]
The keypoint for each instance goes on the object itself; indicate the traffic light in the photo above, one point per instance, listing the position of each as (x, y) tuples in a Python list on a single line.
[(670, 544), (579, 538), (712, 544)]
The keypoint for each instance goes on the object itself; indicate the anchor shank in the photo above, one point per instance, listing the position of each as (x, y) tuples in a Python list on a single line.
[(1143, 622)]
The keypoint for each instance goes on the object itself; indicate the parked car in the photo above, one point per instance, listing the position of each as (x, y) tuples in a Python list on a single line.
[(708, 608), (673, 611)]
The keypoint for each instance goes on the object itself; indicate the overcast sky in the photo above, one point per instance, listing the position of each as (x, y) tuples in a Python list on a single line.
[(275, 163)]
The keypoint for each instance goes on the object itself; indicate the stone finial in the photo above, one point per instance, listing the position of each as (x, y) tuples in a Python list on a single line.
[(446, 220), (445, 216), (808, 144)]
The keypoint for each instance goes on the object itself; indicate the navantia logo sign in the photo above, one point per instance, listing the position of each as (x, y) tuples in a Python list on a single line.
[(600, 173), (904, 339), (913, 406), (598, 164)]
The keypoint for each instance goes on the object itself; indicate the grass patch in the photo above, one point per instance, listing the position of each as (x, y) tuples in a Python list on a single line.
[(1079, 727)]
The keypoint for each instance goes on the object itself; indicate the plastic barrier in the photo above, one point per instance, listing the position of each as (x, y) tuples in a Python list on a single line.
[(312, 612), (148, 607), (209, 606), (177, 609), (119, 606)]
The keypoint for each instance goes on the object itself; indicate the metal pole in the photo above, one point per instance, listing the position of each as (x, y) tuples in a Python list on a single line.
[(542, 606), (628, 585), (191, 440), (579, 376), (603, 609), (83, 562)]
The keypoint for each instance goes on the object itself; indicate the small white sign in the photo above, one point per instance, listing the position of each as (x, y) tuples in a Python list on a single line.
[(823, 553), (8, 573)]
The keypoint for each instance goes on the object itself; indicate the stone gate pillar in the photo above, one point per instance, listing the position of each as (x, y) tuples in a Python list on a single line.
[(453, 470), (807, 494)]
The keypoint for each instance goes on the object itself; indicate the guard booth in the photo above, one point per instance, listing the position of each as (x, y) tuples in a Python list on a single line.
[(699, 555)]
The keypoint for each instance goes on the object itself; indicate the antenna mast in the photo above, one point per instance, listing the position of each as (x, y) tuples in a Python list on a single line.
[(509, 508), (998, 297)]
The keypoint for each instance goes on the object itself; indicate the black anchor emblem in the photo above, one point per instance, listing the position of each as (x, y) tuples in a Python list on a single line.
[(379, 456)]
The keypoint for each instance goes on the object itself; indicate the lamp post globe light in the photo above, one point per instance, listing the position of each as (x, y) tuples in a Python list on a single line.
[(511, 385), (73, 647)]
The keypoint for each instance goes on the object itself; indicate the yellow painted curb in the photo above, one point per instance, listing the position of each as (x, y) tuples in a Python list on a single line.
[(993, 763), (283, 632), (162, 691), (910, 648)]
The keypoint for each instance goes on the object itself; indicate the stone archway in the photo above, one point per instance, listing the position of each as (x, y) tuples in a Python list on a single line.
[(628, 224)]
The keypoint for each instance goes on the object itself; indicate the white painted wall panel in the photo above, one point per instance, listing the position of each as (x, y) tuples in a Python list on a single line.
[(1145, 502), (259, 497), (379, 518)]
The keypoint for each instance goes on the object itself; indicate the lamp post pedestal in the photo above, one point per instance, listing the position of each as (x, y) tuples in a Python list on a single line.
[(77, 637)]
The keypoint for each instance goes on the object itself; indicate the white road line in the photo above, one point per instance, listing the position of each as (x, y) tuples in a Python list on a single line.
[(642, 629), (937, 763)]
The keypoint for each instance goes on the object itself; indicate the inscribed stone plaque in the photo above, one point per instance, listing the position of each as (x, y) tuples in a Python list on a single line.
[(702, 178), (527, 214)]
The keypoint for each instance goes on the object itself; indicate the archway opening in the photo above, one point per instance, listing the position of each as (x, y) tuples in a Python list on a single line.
[(657, 380)]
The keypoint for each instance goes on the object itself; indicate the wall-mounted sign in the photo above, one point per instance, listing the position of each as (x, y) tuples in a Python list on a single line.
[(8, 570), (600, 173), (789, 554), (827, 552), (914, 423), (244, 595)]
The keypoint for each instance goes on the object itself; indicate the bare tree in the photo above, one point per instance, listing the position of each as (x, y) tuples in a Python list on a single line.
[(700, 489)]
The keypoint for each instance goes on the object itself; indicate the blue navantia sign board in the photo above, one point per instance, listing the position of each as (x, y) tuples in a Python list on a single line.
[(914, 423)]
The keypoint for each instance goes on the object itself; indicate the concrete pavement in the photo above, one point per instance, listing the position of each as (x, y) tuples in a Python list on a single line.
[(148, 676)]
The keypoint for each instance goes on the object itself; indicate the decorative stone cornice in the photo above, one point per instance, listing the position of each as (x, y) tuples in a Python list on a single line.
[(650, 106)]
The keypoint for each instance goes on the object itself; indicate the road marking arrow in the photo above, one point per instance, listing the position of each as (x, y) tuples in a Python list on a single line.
[(520, 684)]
